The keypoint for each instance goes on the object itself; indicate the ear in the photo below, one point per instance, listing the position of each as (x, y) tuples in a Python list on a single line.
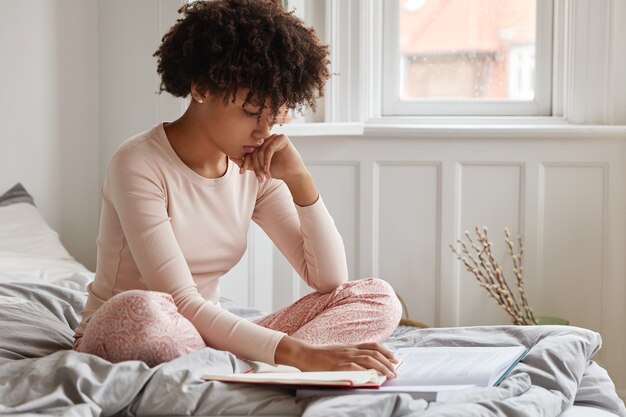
[(197, 94)]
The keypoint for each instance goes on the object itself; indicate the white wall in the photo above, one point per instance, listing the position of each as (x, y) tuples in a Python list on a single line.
[(49, 113), (130, 32)]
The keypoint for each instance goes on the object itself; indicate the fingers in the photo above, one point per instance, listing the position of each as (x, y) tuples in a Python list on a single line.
[(266, 152), (382, 355), (260, 160), (381, 359), (242, 166), (364, 362), (349, 357), (267, 158), (369, 362), (351, 366), (368, 357), (250, 162), (258, 166), (374, 360), (380, 348)]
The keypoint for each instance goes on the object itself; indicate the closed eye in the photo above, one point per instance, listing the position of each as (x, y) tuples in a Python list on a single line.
[(251, 114)]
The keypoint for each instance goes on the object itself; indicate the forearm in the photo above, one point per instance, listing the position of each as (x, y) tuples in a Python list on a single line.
[(302, 188), (326, 266)]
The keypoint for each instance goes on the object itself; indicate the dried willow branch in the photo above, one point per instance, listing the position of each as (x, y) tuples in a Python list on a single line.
[(477, 257)]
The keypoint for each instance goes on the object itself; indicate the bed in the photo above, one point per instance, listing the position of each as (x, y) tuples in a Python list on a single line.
[(42, 291)]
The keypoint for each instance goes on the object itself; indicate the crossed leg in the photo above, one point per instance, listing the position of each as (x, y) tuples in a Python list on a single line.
[(146, 325)]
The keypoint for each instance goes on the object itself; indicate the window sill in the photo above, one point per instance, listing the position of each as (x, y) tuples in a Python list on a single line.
[(320, 129), (539, 127)]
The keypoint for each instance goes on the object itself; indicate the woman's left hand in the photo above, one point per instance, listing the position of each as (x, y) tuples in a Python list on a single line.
[(276, 158)]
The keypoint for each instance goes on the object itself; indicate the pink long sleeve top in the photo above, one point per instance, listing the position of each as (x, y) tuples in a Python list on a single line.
[(163, 227)]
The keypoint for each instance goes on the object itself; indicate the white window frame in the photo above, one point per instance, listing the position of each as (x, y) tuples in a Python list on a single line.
[(394, 105), (587, 66)]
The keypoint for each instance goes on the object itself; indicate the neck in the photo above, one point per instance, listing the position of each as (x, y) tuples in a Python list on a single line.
[(193, 146)]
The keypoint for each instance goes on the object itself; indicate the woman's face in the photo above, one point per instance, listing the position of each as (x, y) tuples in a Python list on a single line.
[(234, 129)]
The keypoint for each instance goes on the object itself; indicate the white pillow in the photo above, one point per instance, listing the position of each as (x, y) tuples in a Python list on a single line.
[(30, 248), (24, 231)]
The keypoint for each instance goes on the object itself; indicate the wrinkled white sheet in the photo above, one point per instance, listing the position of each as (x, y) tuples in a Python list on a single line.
[(49, 378)]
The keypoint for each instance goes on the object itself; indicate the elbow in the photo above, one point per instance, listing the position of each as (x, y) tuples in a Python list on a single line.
[(325, 278), (331, 283), (328, 288)]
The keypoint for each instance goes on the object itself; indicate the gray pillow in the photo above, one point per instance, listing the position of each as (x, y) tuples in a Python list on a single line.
[(17, 194)]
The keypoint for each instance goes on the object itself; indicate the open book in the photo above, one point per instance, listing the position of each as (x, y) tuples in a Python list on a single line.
[(439, 373), (423, 372)]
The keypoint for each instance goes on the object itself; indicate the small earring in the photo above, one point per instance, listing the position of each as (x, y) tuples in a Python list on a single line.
[(200, 100)]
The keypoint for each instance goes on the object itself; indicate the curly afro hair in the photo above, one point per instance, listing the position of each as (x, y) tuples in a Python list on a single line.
[(223, 45)]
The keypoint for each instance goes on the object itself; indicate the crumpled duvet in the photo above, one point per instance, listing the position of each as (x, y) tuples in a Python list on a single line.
[(49, 380)]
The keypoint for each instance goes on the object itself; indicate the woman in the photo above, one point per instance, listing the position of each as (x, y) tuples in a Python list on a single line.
[(178, 199)]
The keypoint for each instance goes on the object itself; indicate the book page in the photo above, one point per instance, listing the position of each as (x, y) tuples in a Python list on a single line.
[(453, 365)]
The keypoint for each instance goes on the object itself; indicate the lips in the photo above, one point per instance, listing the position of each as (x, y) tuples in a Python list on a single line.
[(250, 149)]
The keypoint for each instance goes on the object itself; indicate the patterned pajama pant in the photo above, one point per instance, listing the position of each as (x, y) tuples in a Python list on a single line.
[(146, 326)]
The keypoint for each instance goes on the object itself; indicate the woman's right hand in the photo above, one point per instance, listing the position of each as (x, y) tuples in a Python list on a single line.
[(307, 357)]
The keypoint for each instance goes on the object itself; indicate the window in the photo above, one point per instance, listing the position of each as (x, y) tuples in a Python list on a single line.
[(458, 57)]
